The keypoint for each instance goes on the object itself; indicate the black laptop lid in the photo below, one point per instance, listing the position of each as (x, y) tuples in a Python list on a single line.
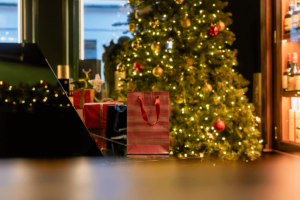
[(37, 120)]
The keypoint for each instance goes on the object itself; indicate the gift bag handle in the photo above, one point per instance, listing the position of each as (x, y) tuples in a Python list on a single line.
[(157, 105)]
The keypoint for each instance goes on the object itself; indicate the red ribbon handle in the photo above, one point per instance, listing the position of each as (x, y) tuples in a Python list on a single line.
[(157, 105)]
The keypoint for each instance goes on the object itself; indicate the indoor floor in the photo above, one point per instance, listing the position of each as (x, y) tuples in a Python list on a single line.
[(272, 177)]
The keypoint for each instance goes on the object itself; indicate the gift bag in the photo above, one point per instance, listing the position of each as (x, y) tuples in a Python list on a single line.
[(148, 123)]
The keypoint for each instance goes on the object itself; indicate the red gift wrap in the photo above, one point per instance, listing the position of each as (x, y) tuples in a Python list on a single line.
[(95, 118), (80, 97), (148, 123), (101, 143)]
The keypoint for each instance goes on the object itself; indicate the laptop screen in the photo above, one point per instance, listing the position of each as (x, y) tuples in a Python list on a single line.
[(37, 120)]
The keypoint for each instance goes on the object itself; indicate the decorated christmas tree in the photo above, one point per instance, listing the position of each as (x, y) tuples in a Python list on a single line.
[(183, 46)]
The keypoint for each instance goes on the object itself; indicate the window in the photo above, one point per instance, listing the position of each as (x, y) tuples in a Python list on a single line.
[(9, 21), (99, 17)]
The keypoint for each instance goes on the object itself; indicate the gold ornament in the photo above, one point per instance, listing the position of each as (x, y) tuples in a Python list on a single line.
[(135, 45), (179, 1), (132, 27), (157, 71), (155, 47), (257, 120), (121, 68), (179, 99), (207, 88), (131, 85), (185, 23), (153, 24), (221, 25)]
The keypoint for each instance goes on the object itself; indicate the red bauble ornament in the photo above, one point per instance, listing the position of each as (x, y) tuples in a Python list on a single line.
[(219, 125), (138, 67), (214, 30)]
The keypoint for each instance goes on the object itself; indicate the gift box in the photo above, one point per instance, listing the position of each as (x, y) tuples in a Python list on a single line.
[(116, 129), (95, 114), (101, 143), (82, 96), (95, 119)]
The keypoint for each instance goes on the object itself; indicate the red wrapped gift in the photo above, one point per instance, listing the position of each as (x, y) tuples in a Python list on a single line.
[(101, 143), (83, 96), (95, 114), (95, 118)]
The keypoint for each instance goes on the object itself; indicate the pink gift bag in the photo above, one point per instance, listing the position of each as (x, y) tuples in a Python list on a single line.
[(148, 123)]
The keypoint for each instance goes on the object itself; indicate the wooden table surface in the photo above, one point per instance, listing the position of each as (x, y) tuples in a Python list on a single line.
[(273, 177)]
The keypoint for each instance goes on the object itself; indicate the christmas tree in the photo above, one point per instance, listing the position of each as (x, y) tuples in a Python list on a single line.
[(183, 46)]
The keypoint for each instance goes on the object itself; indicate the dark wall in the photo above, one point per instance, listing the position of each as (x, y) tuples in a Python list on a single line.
[(246, 26), (50, 31)]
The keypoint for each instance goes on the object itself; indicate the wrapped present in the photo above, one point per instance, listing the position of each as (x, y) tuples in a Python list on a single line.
[(83, 96), (116, 129), (101, 143), (95, 114), (95, 119)]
